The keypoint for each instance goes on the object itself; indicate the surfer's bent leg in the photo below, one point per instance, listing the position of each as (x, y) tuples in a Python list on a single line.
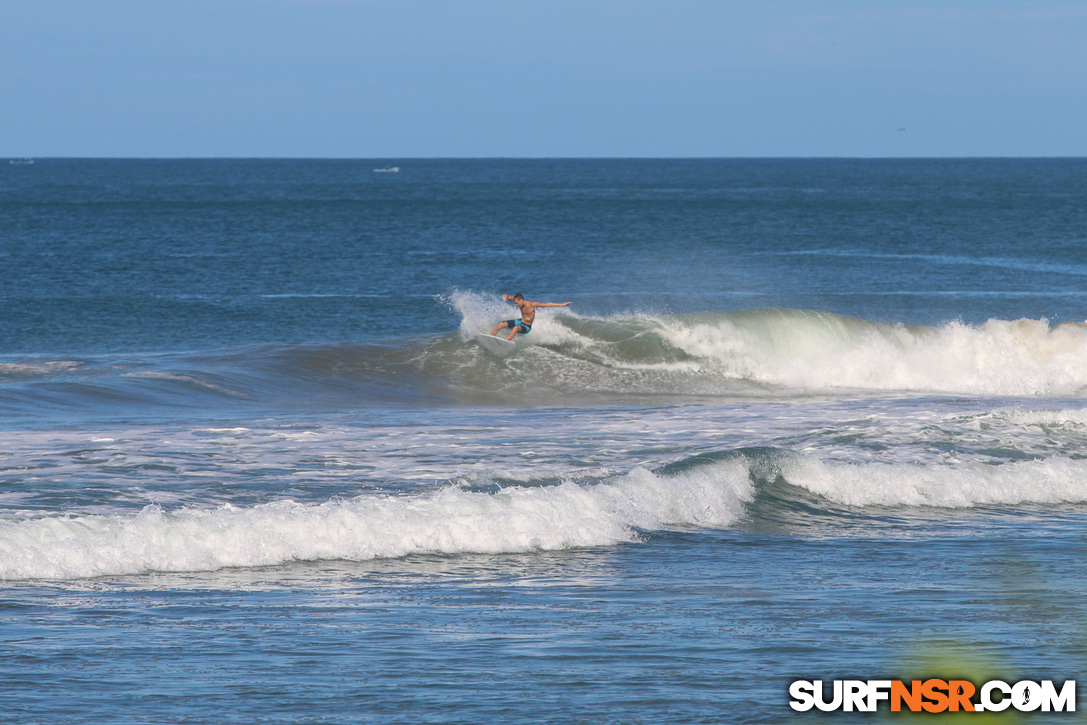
[(516, 327)]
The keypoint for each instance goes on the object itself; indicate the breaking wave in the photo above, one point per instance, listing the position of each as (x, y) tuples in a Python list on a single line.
[(776, 351), (451, 520), (709, 491), (569, 358)]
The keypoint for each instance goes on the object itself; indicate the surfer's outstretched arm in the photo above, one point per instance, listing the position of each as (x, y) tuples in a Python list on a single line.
[(513, 298)]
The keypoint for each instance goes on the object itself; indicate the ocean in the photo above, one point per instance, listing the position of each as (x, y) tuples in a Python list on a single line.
[(804, 419)]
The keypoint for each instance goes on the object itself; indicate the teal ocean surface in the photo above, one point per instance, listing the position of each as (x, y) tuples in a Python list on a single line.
[(804, 419)]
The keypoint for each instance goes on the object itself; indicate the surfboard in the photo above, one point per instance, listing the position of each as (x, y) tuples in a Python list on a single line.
[(497, 345)]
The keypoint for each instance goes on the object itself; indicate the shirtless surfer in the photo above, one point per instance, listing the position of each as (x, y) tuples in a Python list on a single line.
[(528, 315)]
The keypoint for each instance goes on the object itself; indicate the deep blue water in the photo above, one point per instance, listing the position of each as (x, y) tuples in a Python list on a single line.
[(179, 255), (804, 418)]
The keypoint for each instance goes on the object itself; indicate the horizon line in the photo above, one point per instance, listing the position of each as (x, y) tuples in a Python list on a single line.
[(31, 157)]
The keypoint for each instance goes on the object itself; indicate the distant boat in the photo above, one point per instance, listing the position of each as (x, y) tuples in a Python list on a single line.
[(22, 162), (388, 170)]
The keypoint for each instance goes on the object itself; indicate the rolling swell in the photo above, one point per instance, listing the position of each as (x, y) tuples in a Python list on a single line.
[(770, 353), (293, 375), (572, 359), (453, 519), (753, 487), (784, 479)]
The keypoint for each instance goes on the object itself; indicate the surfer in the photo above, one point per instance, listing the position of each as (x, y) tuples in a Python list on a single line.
[(528, 315)]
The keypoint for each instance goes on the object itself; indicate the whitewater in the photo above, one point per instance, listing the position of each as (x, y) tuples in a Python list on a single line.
[(460, 519), (773, 354)]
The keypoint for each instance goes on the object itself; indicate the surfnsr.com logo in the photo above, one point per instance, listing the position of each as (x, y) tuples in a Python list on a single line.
[(933, 695)]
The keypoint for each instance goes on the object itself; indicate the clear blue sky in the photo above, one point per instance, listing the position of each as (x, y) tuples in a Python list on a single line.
[(442, 78)]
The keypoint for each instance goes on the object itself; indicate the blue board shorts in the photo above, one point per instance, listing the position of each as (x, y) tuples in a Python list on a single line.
[(525, 329)]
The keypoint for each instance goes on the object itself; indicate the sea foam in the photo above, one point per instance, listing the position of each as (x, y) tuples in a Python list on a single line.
[(455, 520), (450, 520), (1047, 481), (791, 351), (573, 357), (820, 351)]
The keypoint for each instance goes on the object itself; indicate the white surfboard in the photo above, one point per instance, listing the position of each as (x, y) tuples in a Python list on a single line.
[(497, 345)]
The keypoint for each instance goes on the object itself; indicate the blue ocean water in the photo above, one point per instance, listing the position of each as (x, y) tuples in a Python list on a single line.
[(803, 419)]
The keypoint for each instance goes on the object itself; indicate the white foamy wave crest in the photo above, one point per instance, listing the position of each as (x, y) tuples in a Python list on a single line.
[(822, 351), (1047, 481), (1074, 419), (36, 368), (448, 521), (790, 350)]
